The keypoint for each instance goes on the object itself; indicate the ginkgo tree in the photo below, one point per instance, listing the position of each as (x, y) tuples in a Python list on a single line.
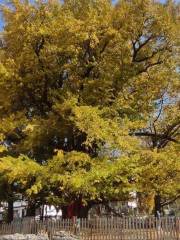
[(81, 84)]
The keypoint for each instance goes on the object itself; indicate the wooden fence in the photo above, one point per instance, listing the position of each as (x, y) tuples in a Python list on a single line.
[(127, 228)]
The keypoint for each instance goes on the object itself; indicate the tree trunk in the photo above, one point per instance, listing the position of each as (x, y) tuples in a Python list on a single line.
[(64, 212), (75, 209), (83, 211), (31, 210), (157, 205), (10, 212), (42, 213)]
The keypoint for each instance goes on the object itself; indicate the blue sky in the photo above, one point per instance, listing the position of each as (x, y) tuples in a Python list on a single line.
[(160, 1), (2, 1)]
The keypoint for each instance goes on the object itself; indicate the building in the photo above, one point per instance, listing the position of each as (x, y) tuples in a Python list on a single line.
[(20, 211)]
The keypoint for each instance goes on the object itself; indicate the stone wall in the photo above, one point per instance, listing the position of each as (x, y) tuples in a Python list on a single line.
[(58, 236), (64, 236), (24, 237)]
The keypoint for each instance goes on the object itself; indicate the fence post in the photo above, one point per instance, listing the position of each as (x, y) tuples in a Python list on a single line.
[(91, 230), (78, 224), (177, 227)]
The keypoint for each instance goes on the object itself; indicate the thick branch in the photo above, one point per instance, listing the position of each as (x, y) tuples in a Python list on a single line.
[(137, 49), (104, 46), (39, 46), (160, 136), (154, 53), (150, 65), (170, 201)]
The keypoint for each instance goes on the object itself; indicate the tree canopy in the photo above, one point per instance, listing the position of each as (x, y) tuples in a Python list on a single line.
[(89, 103)]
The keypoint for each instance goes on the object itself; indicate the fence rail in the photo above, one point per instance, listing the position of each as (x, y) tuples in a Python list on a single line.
[(127, 228)]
